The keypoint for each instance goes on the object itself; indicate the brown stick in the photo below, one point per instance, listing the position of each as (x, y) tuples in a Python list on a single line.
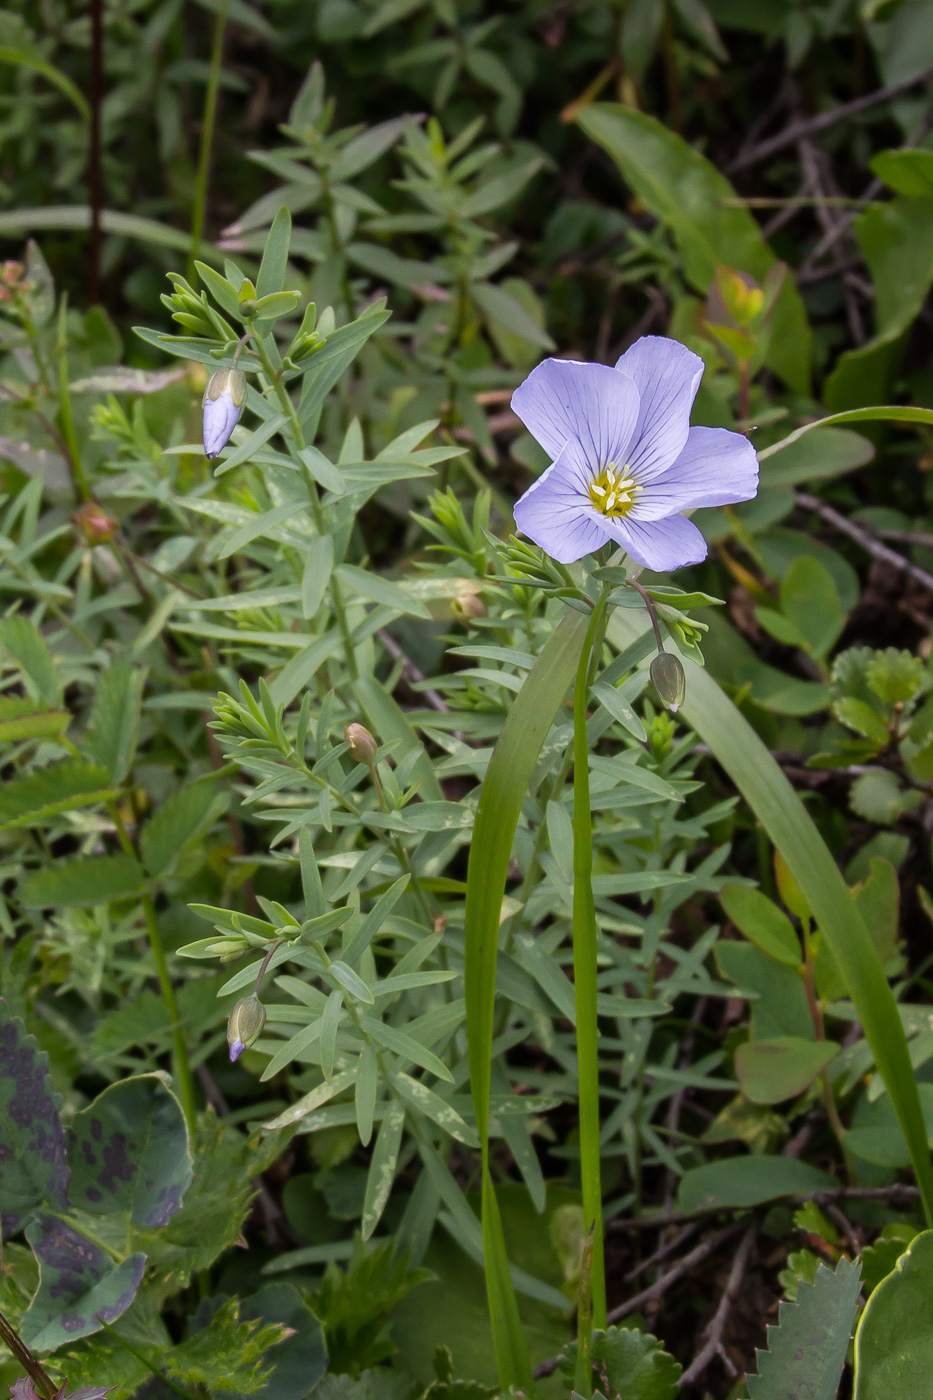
[(660, 1286), (869, 542), (810, 126), (717, 1326)]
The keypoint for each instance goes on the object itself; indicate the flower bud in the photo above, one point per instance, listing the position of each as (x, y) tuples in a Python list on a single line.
[(245, 1025), (223, 402), (93, 524), (363, 746), (467, 605), (667, 675)]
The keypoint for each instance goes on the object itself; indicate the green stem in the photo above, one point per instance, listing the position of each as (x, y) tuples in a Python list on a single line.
[(275, 379), (199, 212), (584, 968), (183, 1072), (82, 490)]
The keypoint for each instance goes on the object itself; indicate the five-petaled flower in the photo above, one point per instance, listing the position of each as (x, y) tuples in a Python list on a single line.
[(625, 461)]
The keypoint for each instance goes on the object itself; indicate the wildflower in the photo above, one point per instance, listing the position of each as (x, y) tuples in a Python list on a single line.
[(223, 402), (625, 461), (245, 1025)]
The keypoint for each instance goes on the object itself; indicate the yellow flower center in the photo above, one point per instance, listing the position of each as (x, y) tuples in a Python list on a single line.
[(612, 492)]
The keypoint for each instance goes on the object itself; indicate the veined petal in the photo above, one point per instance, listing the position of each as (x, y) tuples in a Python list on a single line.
[(716, 468), (565, 400), (660, 544), (556, 511), (667, 376)]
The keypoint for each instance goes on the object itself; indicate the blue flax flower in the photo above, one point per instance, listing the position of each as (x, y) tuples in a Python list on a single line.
[(625, 461)]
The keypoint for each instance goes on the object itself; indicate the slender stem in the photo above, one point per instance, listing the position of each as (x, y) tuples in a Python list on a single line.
[(584, 969), (182, 1064), (30, 1364), (95, 176), (649, 604), (583, 1371), (209, 118), (82, 490)]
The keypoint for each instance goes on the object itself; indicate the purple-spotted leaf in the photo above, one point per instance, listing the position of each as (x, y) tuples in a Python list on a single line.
[(78, 1284), (33, 1168), (129, 1152)]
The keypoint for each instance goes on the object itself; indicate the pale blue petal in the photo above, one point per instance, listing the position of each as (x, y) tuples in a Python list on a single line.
[(564, 400), (660, 544), (221, 416), (556, 512), (715, 468), (667, 376)]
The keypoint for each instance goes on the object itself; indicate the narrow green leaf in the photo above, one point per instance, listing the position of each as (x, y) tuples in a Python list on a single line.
[(29, 650), (22, 718), (382, 1167), (405, 1047)]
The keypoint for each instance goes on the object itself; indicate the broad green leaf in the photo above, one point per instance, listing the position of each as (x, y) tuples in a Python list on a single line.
[(770, 1071), (78, 1284), (35, 797), (807, 1350), (826, 453), (791, 829), (33, 1165), (114, 727), (810, 602), (781, 1006), (181, 818), (878, 901), (741, 1182), (894, 1341), (84, 881), (29, 650), (905, 171), (22, 718), (763, 922), (129, 1152), (688, 194), (382, 1167)]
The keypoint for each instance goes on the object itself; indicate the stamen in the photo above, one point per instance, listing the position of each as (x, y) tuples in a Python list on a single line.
[(613, 491)]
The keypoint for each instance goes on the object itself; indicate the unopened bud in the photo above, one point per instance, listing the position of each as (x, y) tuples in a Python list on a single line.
[(667, 676), (363, 746), (245, 1025), (93, 524), (224, 397), (468, 605)]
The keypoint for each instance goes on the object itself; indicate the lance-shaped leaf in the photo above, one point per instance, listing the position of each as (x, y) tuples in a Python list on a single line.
[(807, 1350), (78, 1284), (33, 1167), (129, 1152)]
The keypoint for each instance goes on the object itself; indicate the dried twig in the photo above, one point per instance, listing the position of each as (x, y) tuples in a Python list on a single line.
[(811, 126), (410, 671), (869, 542), (660, 1286), (713, 1345), (665, 1250)]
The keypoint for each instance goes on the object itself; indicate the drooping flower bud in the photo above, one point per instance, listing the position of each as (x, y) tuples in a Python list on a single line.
[(245, 1025), (223, 402), (93, 523), (667, 676), (363, 746), (467, 605)]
